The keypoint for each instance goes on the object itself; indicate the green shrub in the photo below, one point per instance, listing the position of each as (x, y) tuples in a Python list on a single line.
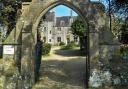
[(73, 45), (70, 45), (121, 53), (124, 52), (62, 43), (46, 48)]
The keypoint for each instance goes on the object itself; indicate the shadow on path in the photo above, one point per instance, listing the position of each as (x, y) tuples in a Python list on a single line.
[(64, 69), (70, 72), (68, 53)]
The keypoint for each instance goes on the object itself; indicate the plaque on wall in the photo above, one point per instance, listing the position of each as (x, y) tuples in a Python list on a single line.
[(8, 49)]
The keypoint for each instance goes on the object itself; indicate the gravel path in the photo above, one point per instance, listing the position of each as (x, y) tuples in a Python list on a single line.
[(63, 69)]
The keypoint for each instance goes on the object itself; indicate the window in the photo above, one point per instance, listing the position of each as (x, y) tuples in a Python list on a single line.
[(59, 29), (44, 28), (49, 40), (44, 39), (68, 40), (50, 32), (75, 39), (58, 39), (62, 23)]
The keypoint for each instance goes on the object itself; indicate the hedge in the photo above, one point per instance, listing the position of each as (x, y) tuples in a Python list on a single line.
[(46, 48), (62, 43)]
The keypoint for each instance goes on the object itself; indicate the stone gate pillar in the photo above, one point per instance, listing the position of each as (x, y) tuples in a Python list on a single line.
[(27, 60)]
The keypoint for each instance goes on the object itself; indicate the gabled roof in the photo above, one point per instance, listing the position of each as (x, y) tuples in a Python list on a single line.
[(49, 16), (64, 21)]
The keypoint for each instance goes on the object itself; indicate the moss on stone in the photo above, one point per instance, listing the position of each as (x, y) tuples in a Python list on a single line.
[(9, 68), (2, 80)]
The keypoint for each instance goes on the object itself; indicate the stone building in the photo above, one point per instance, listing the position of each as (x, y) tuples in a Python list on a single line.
[(56, 29)]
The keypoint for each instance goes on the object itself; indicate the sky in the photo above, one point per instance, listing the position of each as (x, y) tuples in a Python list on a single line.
[(62, 10)]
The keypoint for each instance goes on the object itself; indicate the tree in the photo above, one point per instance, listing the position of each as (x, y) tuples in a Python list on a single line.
[(9, 11), (124, 33), (118, 12), (79, 30), (120, 9)]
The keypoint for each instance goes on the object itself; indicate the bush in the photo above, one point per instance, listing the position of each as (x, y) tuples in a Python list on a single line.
[(124, 52), (46, 48), (70, 45), (65, 47), (73, 44), (62, 43)]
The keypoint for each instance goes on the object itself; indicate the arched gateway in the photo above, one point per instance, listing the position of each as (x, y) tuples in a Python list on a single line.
[(99, 37)]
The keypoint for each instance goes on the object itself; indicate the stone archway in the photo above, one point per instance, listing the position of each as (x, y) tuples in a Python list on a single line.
[(73, 7), (35, 19), (93, 15)]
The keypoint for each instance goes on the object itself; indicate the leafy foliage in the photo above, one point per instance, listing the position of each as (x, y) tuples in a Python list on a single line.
[(116, 26), (124, 33), (46, 48), (120, 7), (9, 13), (124, 51), (62, 43), (78, 28), (70, 45)]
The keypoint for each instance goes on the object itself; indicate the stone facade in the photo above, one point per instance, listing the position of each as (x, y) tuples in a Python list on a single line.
[(46, 31), (56, 29)]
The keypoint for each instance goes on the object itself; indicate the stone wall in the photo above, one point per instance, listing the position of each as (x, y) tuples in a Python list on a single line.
[(9, 73)]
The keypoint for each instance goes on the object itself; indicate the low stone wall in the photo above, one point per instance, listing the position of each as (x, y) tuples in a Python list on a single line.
[(8, 74)]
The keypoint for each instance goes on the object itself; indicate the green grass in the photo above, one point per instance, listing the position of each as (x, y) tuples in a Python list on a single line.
[(68, 46)]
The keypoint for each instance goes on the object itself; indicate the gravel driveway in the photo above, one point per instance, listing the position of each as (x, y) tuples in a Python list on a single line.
[(63, 69)]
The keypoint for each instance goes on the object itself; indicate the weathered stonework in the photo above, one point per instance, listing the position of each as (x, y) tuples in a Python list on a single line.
[(92, 14)]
